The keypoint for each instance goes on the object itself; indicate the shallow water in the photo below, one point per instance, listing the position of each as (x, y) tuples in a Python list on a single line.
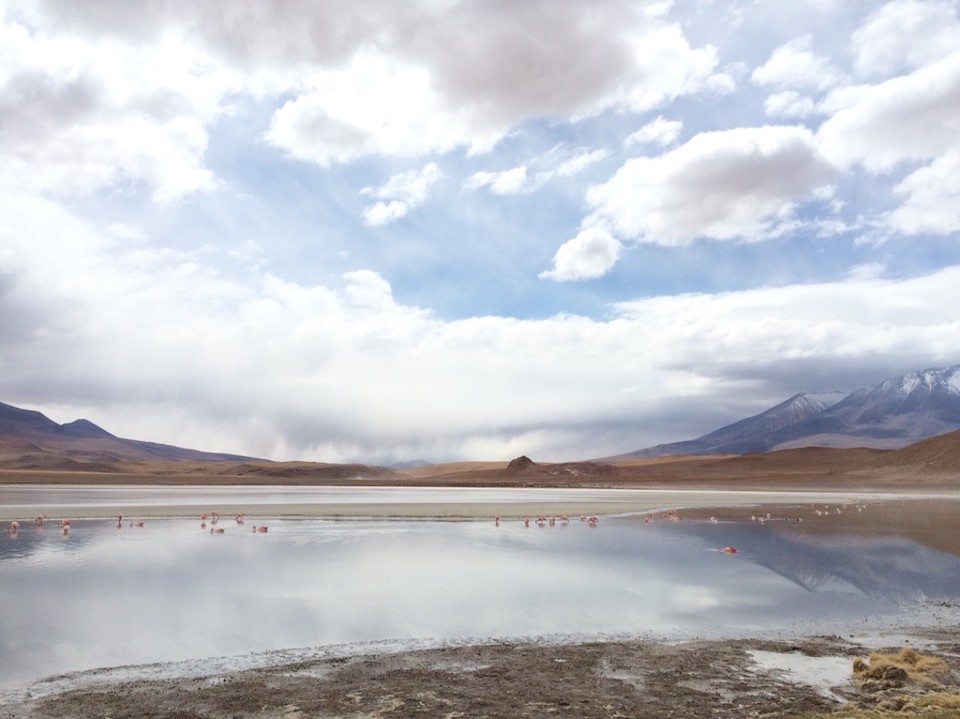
[(107, 596)]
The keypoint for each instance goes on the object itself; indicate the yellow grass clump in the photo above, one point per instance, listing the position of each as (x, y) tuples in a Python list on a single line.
[(905, 666)]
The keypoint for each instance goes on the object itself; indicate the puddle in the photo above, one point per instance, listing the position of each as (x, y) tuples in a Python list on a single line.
[(822, 673)]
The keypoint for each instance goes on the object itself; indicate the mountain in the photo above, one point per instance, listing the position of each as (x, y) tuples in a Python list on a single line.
[(889, 414), (29, 439)]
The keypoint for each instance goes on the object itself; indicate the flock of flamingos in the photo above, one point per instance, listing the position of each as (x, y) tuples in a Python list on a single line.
[(213, 517)]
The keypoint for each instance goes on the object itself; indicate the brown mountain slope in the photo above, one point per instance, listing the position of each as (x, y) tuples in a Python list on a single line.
[(936, 455)]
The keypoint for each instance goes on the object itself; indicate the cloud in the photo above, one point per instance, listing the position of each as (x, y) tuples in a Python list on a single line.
[(660, 131), (907, 118), (905, 35), (504, 182), (342, 373), (794, 65), (117, 95), (400, 194), (520, 179), (434, 79), (932, 198), (79, 116), (590, 254), (790, 105), (580, 161), (732, 184)]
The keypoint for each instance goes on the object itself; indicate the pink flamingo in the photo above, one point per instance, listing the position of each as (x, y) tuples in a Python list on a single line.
[(262, 530), (728, 550), (40, 518), (217, 530)]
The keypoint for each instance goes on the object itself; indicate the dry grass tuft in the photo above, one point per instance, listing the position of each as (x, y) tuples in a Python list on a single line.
[(905, 666)]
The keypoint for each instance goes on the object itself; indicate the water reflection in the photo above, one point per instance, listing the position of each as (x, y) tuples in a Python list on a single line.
[(887, 567), (103, 596)]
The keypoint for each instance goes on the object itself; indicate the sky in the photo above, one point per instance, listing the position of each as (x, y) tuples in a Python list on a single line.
[(441, 230)]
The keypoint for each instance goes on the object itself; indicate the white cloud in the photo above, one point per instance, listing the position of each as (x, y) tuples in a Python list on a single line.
[(382, 213), (374, 106), (579, 162), (400, 194), (520, 180), (660, 131), (81, 115), (905, 35), (722, 185), (790, 105), (932, 198), (435, 79), (504, 182), (911, 117), (590, 254), (347, 373), (794, 65)]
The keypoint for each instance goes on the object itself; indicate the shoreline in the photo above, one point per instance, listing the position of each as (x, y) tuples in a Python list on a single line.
[(726, 677), (632, 501)]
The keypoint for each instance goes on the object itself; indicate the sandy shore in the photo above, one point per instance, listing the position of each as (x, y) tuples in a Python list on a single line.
[(630, 502)]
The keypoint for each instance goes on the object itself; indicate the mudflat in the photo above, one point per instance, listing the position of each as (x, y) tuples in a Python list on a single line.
[(739, 678)]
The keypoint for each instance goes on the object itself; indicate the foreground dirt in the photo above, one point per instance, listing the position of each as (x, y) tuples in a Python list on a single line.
[(717, 678)]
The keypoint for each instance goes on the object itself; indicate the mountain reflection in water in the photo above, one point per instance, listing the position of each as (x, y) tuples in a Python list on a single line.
[(108, 596)]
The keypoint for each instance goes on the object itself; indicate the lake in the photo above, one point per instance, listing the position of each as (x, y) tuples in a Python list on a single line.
[(103, 595)]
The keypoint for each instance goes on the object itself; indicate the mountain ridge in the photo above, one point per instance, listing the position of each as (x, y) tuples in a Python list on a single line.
[(888, 414), (84, 442)]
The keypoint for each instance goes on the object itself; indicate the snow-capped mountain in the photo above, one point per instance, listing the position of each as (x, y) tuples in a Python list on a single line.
[(889, 414)]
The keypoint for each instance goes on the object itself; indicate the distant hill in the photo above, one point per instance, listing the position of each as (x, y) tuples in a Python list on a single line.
[(31, 440), (886, 415)]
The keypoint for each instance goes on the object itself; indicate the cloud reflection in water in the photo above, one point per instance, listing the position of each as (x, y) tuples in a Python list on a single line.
[(169, 591)]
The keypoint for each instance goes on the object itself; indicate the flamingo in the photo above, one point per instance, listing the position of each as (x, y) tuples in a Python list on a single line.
[(526, 521), (217, 530), (40, 518), (728, 550), (262, 530)]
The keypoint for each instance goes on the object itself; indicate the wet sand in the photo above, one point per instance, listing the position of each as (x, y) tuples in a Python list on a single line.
[(632, 502)]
